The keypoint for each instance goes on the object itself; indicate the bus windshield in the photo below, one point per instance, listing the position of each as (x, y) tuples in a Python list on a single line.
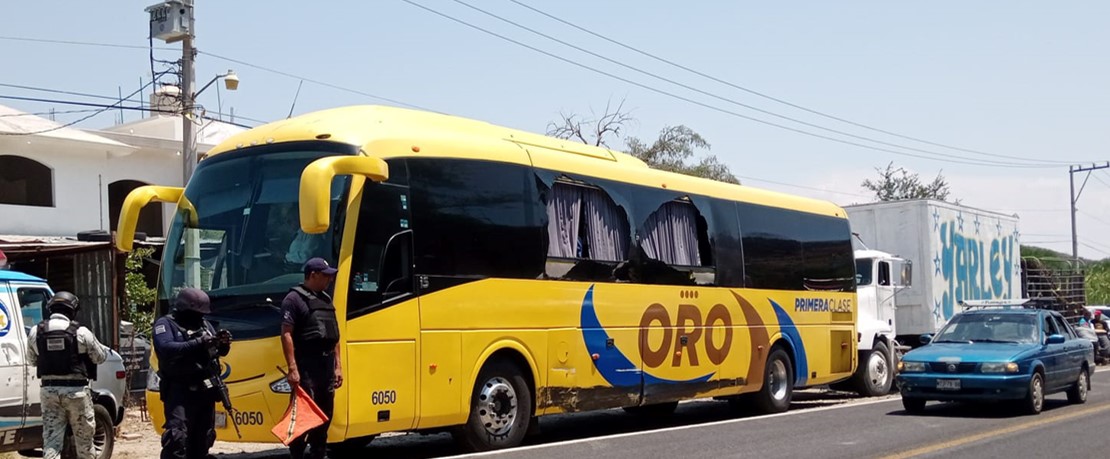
[(237, 235)]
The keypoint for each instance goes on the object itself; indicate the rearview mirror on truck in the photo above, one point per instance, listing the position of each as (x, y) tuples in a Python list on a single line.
[(904, 268)]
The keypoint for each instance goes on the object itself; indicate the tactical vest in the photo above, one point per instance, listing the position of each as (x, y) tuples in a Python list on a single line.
[(320, 332), (59, 354), (187, 368)]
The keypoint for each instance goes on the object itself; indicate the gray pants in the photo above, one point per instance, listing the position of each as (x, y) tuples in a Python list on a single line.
[(62, 406)]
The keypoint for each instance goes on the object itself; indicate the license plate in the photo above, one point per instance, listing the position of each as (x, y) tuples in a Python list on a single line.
[(948, 384), (221, 420)]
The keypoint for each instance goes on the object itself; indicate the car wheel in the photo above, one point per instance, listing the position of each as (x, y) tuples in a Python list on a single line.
[(656, 410), (778, 384), (500, 409), (1034, 400), (1078, 392), (874, 376), (913, 405)]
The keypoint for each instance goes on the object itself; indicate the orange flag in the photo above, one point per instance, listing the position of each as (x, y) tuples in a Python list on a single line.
[(301, 416)]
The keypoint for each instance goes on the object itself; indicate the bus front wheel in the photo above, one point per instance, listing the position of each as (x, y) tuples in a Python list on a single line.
[(778, 384), (500, 409)]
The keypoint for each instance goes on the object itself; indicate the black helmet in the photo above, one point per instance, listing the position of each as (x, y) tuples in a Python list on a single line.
[(192, 299), (65, 300)]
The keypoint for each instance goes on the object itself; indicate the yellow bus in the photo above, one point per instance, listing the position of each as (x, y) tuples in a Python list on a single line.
[(488, 276)]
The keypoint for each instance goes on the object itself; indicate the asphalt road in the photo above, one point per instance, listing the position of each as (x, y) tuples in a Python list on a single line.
[(819, 424), (877, 428)]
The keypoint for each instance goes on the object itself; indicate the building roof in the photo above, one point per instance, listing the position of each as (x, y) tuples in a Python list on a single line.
[(23, 124)]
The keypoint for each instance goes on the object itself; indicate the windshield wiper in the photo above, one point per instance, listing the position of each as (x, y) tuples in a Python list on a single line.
[(953, 341), (988, 340)]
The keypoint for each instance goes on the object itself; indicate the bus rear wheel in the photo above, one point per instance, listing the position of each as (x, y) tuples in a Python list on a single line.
[(778, 384), (500, 409)]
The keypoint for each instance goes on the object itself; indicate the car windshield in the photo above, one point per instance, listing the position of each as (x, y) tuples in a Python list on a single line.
[(990, 328), (237, 235)]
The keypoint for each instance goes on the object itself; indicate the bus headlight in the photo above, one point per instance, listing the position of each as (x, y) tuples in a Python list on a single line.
[(281, 386), (999, 367)]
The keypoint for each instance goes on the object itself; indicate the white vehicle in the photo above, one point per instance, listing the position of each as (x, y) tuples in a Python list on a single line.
[(22, 299), (962, 253), (880, 278)]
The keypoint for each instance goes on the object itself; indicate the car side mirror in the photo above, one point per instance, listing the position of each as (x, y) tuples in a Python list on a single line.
[(1055, 339), (926, 338)]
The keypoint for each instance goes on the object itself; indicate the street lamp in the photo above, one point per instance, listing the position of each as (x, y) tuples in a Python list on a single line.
[(231, 82), (189, 155)]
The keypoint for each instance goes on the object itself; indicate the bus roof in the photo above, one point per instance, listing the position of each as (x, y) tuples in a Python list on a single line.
[(393, 132)]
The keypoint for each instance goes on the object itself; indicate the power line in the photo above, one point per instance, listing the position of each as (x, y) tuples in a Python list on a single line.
[(705, 105), (50, 113), (709, 94), (79, 43), (775, 99), (310, 80), (755, 179), (1096, 249), (103, 106), (1092, 217), (62, 126), (103, 97)]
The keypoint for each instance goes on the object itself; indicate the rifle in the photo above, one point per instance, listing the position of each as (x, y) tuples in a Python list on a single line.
[(214, 382)]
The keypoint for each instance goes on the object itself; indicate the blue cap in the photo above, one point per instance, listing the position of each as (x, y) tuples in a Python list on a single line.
[(319, 265)]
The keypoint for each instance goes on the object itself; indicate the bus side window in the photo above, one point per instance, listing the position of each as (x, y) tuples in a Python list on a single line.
[(381, 268)]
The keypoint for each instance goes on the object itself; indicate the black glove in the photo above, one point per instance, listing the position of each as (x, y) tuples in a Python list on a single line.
[(210, 344), (224, 337)]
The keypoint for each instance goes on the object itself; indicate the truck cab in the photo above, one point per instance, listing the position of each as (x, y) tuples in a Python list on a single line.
[(23, 301), (879, 278)]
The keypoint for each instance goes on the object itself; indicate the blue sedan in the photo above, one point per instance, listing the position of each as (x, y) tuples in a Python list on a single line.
[(1016, 354)]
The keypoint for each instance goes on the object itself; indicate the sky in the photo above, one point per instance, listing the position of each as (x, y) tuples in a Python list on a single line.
[(1019, 83)]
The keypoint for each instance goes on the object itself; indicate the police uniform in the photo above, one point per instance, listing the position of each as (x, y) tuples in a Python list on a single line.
[(66, 355), (187, 348), (315, 333)]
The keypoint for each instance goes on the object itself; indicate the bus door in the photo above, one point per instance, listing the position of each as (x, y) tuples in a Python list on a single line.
[(381, 311)]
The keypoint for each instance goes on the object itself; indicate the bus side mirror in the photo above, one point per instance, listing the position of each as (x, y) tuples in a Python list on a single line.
[(315, 191), (133, 205)]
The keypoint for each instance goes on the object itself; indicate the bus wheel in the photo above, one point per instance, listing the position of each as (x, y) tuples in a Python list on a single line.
[(500, 409), (778, 384)]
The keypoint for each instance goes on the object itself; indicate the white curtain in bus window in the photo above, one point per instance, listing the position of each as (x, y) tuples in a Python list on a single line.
[(564, 214), (606, 227), (670, 235)]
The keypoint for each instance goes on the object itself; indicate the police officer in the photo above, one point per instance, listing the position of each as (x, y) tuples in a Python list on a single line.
[(66, 354), (310, 339), (187, 345)]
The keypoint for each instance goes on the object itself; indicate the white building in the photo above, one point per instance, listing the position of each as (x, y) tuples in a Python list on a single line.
[(58, 181)]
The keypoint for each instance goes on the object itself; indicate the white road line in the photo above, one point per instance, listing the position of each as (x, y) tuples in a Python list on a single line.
[(673, 429), (686, 427)]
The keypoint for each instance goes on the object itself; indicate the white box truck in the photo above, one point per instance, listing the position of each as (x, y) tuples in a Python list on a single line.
[(958, 252)]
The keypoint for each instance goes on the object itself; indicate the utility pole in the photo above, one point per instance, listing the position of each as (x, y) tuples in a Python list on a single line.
[(188, 99), (1075, 199)]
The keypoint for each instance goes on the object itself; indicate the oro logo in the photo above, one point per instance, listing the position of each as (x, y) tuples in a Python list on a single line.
[(681, 337)]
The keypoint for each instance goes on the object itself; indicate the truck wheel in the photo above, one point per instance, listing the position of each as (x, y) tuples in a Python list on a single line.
[(778, 384), (104, 436), (500, 409), (1034, 400), (874, 376)]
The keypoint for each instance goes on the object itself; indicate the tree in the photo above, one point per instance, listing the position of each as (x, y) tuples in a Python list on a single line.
[(899, 184), (1098, 282), (672, 151), (139, 295)]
